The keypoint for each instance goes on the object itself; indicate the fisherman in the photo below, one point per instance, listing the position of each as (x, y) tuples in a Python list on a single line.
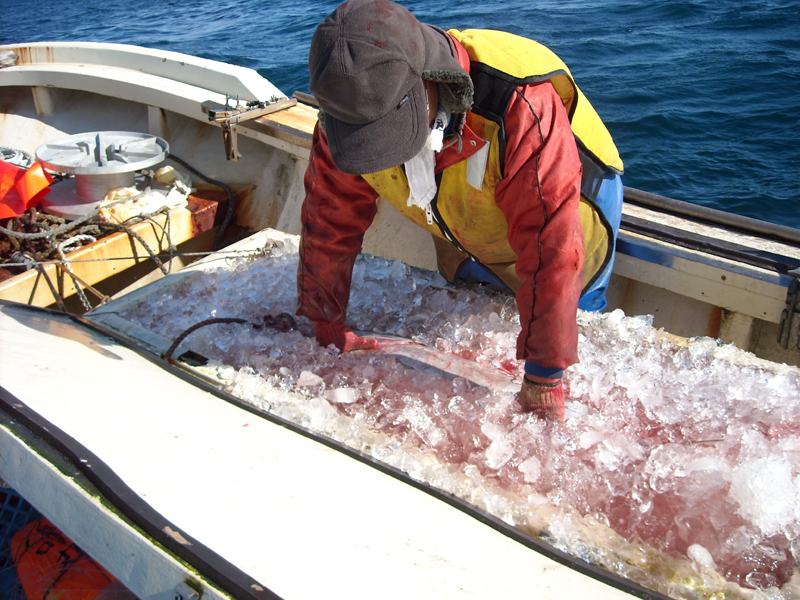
[(480, 137)]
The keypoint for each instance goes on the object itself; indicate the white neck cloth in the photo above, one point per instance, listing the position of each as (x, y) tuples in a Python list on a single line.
[(420, 169)]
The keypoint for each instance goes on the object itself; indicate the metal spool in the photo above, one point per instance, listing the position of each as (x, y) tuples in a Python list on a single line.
[(100, 162)]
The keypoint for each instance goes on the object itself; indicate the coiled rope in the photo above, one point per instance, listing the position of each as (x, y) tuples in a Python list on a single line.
[(87, 232), (16, 157), (69, 226), (20, 259)]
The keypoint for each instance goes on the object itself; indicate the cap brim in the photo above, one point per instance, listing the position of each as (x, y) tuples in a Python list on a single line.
[(392, 140)]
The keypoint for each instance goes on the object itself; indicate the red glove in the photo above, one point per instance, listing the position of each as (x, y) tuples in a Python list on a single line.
[(340, 336), (545, 400)]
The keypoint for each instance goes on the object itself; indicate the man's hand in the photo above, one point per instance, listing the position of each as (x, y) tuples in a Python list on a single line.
[(543, 398), (340, 336)]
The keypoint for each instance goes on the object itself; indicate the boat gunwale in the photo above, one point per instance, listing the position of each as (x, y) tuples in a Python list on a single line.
[(712, 216)]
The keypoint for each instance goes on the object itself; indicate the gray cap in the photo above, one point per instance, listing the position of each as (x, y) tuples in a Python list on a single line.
[(366, 65)]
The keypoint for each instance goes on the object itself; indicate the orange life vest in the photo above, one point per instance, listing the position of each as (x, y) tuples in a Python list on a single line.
[(51, 567)]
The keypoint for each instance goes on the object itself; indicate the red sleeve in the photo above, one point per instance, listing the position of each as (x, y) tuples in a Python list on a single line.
[(337, 210), (540, 196)]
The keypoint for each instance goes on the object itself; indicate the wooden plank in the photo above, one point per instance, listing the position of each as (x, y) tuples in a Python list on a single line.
[(294, 125), (105, 257), (715, 286), (300, 117)]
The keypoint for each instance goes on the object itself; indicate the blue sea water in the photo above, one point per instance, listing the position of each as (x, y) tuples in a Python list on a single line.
[(702, 96)]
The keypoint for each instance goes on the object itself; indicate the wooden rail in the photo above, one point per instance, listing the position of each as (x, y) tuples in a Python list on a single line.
[(108, 256)]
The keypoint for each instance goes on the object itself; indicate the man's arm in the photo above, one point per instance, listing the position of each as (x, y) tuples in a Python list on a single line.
[(540, 196), (337, 210)]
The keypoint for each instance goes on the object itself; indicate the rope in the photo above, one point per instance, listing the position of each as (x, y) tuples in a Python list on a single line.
[(165, 228), (77, 239), (16, 157), (74, 242), (25, 260), (51, 233), (41, 273), (29, 262), (139, 239), (66, 226), (13, 155), (56, 295)]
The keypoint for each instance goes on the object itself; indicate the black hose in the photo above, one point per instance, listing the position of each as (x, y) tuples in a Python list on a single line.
[(231, 198), (168, 354)]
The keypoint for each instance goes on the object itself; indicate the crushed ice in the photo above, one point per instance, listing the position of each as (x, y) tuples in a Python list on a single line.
[(678, 465)]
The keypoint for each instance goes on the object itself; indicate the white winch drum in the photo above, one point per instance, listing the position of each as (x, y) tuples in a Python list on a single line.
[(99, 162)]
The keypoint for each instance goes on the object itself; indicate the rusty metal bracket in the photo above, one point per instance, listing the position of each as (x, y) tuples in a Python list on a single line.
[(231, 141), (228, 117), (790, 321)]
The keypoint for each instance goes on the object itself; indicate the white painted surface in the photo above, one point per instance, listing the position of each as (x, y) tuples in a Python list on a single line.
[(211, 75), (304, 520), (145, 569), (179, 97)]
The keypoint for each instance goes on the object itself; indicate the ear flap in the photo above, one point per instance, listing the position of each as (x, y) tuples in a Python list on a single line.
[(321, 119), (455, 90)]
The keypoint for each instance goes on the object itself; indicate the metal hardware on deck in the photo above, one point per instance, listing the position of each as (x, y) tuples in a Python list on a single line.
[(252, 110), (100, 161), (184, 592), (790, 323), (231, 141), (227, 117)]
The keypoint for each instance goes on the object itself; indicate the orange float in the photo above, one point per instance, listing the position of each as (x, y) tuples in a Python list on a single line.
[(21, 189), (51, 567)]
